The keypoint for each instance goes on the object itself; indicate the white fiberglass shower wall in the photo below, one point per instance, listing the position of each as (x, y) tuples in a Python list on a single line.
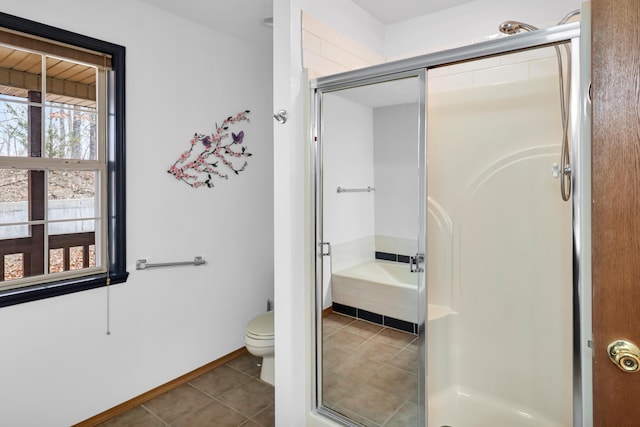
[(494, 139)]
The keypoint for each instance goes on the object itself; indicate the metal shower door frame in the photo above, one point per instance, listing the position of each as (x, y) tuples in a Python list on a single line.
[(317, 185)]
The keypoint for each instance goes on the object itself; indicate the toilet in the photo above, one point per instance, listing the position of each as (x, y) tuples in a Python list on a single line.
[(259, 342)]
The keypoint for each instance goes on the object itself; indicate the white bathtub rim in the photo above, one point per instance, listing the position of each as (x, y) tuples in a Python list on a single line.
[(359, 287), (456, 395), (355, 272)]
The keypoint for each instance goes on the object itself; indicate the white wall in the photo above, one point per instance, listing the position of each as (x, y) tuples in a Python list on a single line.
[(347, 163), (396, 171), (292, 222), (469, 23), (60, 367)]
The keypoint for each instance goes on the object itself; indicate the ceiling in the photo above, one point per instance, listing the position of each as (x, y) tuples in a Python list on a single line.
[(390, 12), (239, 18), (243, 18)]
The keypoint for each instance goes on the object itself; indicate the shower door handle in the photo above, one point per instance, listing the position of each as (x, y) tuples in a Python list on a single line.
[(324, 245), (415, 263)]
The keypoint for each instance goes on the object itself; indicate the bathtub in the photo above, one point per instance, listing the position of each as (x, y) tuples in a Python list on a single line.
[(381, 287)]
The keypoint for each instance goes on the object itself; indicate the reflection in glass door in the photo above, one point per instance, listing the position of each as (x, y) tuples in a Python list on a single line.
[(369, 166)]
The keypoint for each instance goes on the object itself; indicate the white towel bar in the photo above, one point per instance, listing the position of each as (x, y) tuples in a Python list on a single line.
[(141, 264)]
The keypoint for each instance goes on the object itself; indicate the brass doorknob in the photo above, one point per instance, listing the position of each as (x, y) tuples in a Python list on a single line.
[(625, 354)]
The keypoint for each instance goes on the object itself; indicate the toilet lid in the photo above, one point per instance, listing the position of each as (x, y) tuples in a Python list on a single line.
[(262, 325)]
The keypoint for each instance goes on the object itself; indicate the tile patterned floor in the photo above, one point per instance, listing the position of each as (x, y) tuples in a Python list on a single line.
[(370, 375), (370, 372), (228, 396)]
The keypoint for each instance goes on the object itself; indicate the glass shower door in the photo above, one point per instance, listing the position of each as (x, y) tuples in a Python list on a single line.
[(499, 251), (370, 264)]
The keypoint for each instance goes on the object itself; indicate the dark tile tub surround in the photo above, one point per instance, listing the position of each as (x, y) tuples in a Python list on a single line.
[(386, 256), (379, 319), (370, 316)]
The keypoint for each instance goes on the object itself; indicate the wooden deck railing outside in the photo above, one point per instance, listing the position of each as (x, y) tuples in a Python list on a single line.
[(61, 257)]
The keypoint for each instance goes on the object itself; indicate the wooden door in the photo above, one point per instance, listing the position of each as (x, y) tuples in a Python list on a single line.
[(616, 204)]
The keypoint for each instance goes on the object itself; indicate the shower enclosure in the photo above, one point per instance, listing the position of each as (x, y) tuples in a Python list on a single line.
[(450, 276)]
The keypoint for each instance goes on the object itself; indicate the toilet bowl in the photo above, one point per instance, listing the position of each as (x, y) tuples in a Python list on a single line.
[(259, 341)]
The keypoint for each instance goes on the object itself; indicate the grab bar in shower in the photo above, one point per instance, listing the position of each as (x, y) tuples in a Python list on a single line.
[(355, 190), (142, 264)]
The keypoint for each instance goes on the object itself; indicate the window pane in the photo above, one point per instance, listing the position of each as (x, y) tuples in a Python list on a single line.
[(13, 129), (73, 227), (92, 256), (71, 83), (14, 208), (70, 132), (13, 266), (56, 261), (20, 71), (72, 194), (20, 81), (24, 255), (70, 115), (77, 258), (72, 258), (71, 251)]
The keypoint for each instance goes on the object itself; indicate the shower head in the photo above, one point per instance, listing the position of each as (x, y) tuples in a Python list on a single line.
[(568, 16), (514, 27)]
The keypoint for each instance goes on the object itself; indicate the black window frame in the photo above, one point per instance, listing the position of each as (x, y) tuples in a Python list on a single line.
[(116, 189)]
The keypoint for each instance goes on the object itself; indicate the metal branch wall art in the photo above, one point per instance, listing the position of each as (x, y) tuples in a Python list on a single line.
[(209, 157)]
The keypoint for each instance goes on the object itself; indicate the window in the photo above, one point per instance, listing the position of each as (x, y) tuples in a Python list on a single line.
[(62, 202)]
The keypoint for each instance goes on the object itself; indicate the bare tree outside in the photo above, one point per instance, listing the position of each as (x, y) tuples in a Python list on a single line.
[(13, 129), (70, 133)]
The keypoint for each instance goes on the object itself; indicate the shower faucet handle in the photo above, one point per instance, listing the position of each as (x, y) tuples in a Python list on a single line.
[(281, 116)]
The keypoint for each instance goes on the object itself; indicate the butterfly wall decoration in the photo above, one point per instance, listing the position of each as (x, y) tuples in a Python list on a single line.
[(209, 158)]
